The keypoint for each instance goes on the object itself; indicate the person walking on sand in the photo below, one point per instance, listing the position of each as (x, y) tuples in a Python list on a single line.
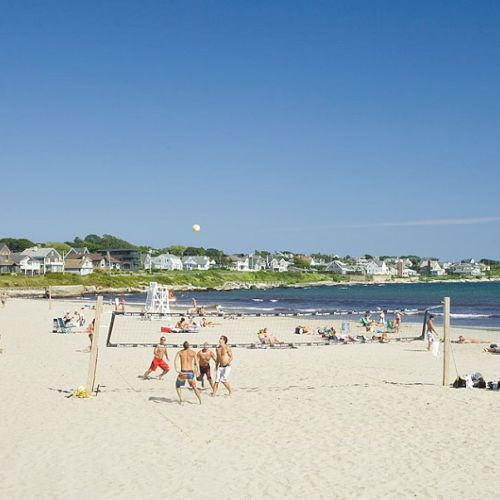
[(90, 331), (204, 357), (186, 365), (397, 321), (3, 298), (160, 352), (431, 332), (223, 365)]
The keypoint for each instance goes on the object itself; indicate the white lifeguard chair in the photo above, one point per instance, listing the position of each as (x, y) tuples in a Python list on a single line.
[(158, 299)]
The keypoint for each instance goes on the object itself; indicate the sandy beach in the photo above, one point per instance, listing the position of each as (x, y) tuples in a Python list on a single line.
[(343, 421)]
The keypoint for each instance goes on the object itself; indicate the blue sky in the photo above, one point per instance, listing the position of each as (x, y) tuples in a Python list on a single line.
[(349, 127)]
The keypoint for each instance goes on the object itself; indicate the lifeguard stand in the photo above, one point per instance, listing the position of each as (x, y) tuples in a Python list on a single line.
[(158, 299)]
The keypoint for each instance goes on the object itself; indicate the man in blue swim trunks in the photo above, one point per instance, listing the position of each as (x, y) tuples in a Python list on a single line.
[(188, 370)]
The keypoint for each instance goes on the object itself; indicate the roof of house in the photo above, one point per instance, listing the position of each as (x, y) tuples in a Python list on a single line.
[(199, 259), (4, 249), (39, 252), (74, 263)]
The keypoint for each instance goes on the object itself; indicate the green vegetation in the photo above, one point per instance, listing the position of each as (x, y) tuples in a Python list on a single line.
[(201, 279), (17, 244), (94, 242)]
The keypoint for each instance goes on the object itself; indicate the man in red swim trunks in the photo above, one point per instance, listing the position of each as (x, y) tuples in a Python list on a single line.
[(159, 353)]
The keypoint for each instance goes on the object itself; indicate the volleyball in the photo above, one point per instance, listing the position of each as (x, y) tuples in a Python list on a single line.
[(196, 228)]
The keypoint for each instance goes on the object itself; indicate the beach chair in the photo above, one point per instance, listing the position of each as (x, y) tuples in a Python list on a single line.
[(58, 326), (391, 327)]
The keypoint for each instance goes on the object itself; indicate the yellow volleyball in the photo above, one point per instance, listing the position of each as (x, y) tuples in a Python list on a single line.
[(196, 228)]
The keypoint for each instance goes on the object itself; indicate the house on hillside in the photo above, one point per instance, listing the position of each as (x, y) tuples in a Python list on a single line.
[(279, 265), (166, 262), (197, 263), (81, 266), (73, 252), (431, 267), (377, 267), (339, 267), (239, 263), (49, 258), (256, 263), (466, 269), (125, 259)]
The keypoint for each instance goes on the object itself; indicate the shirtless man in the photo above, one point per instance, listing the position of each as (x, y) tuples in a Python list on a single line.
[(188, 370), (431, 332), (223, 365), (204, 357), (160, 352)]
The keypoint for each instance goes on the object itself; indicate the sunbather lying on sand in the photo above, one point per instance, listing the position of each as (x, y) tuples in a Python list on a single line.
[(464, 340), (206, 323), (493, 348), (383, 338), (303, 329), (266, 338)]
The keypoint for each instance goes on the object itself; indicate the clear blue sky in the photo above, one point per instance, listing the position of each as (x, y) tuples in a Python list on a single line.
[(348, 127)]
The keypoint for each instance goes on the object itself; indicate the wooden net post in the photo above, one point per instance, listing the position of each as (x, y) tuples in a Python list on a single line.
[(446, 345), (94, 348), (50, 297)]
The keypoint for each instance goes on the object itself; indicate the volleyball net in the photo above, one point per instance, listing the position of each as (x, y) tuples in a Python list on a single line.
[(139, 329)]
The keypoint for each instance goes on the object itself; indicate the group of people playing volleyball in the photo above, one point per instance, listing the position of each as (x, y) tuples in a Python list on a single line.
[(192, 366)]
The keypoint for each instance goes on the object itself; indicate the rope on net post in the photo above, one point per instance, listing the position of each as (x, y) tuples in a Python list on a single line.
[(94, 348), (446, 345)]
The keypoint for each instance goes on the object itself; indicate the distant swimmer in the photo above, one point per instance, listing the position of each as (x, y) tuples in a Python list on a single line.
[(223, 365), (160, 354), (204, 357), (188, 370)]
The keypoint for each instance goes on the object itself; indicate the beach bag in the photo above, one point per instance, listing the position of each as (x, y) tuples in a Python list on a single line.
[(478, 381), (494, 385), (459, 382)]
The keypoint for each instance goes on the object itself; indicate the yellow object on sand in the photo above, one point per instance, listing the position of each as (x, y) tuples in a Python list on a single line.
[(81, 392)]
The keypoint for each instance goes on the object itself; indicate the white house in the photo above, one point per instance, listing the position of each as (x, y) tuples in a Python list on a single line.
[(240, 263), (82, 266), (196, 262), (279, 266), (339, 267), (256, 263), (49, 258), (431, 268), (17, 263), (74, 253), (466, 269), (166, 262), (377, 267)]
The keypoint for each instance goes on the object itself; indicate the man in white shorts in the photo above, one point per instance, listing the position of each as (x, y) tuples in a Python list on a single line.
[(223, 365)]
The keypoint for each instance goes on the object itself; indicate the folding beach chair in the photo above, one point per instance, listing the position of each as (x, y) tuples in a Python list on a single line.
[(58, 326)]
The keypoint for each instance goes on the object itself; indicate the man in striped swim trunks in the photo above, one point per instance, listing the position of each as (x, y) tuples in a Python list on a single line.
[(186, 365)]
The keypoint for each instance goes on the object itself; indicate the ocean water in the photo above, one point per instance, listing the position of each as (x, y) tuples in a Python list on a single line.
[(472, 303)]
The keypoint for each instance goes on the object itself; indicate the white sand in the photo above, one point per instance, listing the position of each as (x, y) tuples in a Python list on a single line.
[(353, 421)]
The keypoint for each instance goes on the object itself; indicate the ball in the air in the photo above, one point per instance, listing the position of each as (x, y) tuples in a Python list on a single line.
[(196, 228)]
